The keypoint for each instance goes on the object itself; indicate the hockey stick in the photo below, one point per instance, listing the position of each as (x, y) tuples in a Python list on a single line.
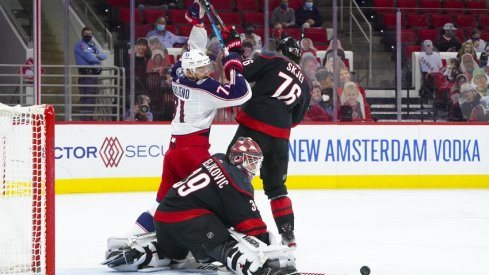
[(207, 6)]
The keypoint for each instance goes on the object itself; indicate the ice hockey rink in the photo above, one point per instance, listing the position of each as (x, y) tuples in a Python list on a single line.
[(394, 232)]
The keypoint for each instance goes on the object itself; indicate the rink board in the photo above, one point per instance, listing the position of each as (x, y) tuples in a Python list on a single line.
[(128, 157)]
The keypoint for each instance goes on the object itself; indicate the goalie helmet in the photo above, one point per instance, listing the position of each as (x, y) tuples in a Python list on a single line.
[(246, 153), (194, 59), (290, 48)]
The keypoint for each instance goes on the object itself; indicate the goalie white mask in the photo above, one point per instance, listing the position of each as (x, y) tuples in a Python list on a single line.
[(246, 153)]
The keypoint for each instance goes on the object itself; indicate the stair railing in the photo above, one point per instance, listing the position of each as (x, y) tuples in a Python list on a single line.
[(368, 36)]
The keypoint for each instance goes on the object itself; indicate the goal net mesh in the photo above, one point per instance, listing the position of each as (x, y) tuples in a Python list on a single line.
[(22, 190)]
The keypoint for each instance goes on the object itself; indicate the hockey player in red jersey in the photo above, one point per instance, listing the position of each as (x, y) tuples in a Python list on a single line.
[(198, 98), (196, 216), (281, 96)]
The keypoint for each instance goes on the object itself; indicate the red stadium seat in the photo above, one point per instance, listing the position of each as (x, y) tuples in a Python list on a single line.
[(317, 35), (454, 6), (408, 6), (125, 14), (430, 6), (476, 7), (151, 15), (142, 30), (383, 6), (229, 18), (408, 51), (390, 21), (118, 3), (295, 4), (484, 20), (176, 16), (438, 20), (466, 21), (427, 34), (223, 5), (248, 6), (294, 33), (418, 21), (256, 18)]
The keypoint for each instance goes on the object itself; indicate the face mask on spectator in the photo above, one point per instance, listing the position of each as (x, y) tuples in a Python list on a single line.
[(87, 38), (284, 6), (325, 97), (308, 5), (160, 27)]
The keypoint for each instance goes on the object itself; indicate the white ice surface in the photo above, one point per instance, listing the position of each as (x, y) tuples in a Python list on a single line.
[(394, 232)]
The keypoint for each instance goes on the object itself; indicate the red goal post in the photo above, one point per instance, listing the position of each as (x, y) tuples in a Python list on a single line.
[(27, 190)]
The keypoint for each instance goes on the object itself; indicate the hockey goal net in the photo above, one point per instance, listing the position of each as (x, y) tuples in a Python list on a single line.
[(26, 190)]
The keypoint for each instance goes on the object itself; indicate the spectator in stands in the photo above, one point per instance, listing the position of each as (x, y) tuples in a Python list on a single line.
[(326, 101), (141, 110), (454, 113), (309, 65), (277, 35), (159, 5), (452, 69), (351, 97), (284, 15), (249, 34), (315, 112), (325, 78), (346, 76), (468, 65), (88, 55), (430, 61), (467, 48), (329, 62), (248, 50), (167, 38), (468, 101), (159, 64), (475, 38), (447, 41), (480, 81), (340, 51), (142, 54), (484, 57), (155, 44), (307, 46), (308, 15)]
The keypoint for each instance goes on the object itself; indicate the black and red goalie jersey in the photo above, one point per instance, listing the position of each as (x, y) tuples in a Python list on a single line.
[(280, 96), (218, 188)]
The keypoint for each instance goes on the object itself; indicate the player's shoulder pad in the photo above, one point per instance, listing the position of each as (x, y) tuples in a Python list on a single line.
[(239, 179)]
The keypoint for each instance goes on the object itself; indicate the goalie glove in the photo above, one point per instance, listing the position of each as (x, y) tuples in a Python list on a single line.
[(129, 259), (195, 14), (232, 62), (133, 253)]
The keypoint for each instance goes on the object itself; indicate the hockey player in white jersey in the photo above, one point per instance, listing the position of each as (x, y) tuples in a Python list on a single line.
[(198, 99)]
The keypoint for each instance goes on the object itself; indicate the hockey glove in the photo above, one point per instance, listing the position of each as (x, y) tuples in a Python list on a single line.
[(195, 14), (232, 40), (230, 62)]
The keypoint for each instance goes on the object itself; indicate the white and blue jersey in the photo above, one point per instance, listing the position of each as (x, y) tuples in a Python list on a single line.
[(198, 101)]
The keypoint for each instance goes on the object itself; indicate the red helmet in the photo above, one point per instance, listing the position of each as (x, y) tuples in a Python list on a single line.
[(247, 153)]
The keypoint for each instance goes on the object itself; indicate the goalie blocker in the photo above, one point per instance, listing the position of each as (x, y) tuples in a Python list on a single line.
[(196, 214)]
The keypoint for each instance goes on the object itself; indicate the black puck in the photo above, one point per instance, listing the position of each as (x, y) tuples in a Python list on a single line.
[(365, 270)]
